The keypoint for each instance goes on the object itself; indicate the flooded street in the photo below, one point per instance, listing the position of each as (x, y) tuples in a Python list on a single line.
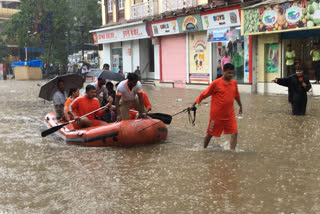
[(274, 170)]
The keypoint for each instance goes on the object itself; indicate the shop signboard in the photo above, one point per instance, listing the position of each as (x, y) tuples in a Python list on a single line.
[(218, 35), (272, 61), (198, 58), (230, 18), (165, 28), (121, 34), (190, 23), (295, 15)]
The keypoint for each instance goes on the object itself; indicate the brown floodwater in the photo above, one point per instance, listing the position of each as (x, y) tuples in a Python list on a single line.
[(274, 170)]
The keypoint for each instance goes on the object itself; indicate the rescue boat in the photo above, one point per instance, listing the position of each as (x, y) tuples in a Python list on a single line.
[(123, 133)]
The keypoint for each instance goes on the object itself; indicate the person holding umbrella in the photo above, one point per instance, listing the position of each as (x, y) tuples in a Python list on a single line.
[(59, 98)]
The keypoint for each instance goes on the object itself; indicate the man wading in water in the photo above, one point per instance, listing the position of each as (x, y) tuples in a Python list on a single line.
[(223, 92)]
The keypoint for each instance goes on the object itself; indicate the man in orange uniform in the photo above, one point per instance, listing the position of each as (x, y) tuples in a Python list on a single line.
[(147, 106), (223, 92), (84, 105)]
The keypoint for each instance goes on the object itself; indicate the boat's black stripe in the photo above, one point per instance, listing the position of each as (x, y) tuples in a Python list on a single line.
[(162, 129), (87, 140)]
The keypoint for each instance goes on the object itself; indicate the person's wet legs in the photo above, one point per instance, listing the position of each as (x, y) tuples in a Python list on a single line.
[(233, 141), (206, 140)]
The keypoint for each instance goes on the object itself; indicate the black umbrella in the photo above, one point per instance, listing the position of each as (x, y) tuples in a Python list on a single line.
[(105, 74), (70, 81)]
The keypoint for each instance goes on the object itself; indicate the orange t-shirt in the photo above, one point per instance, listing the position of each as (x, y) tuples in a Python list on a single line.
[(83, 105), (67, 104), (146, 103), (223, 95)]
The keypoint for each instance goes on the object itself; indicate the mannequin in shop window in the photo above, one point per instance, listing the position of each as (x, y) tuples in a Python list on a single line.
[(290, 56), (237, 60), (225, 59)]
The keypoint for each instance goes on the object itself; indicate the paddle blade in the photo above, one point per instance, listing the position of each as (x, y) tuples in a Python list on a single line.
[(165, 118), (52, 130)]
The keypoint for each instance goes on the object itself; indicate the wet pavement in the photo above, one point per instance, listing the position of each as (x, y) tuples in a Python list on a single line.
[(274, 170)]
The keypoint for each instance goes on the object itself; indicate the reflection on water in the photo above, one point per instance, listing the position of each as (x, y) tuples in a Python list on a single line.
[(275, 168)]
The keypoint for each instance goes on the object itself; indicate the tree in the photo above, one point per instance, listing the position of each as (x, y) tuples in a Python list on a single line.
[(54, 22), (3, 50), (49, 19)]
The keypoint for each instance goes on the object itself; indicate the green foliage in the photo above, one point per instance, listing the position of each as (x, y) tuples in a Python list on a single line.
[(61, 31), (3, 50)]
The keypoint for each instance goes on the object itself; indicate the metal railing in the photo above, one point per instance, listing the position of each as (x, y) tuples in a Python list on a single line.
[(171, 5), (144, 9)]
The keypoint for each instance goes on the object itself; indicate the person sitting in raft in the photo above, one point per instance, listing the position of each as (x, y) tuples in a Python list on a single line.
[(126, 97), (59, 98), (73, 94), (147, 107), (84, 105), (101, 90), (111, 114)]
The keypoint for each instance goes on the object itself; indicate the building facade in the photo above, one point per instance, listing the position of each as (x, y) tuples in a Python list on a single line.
[(273, 26), (178, 43)]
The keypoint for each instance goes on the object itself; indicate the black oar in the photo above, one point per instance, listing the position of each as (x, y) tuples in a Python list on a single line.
[(169, 117), (56, 128), (165, 118)]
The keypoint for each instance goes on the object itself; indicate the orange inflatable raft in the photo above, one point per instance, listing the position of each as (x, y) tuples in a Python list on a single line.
[(124, 133)]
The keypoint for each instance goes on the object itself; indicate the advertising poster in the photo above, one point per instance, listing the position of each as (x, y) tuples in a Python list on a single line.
[(199, 58), (189, 23), (246, 59), (287, 16), (165, 28), (115, 63), (230, 18), (272, 61), (218, 35)]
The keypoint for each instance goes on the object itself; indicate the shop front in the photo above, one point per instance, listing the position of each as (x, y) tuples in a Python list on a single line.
[(126, 47), (283, 31), (223, 33), (169, 52)]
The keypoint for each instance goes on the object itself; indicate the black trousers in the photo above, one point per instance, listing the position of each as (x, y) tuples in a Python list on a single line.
[(290, 70), (299, 107), (316, 67)]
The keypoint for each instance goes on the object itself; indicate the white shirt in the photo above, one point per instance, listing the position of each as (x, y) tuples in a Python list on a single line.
[(127, 94), (59, 98)]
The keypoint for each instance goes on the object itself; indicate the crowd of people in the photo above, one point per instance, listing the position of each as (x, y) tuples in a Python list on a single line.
[(128, 101)]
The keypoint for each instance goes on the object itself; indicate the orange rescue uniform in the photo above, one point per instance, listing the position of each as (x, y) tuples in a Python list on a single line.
[(83, 105), (146, 103), (222, 116)]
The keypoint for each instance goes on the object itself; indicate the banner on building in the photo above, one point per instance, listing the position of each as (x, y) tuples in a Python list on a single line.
[(121, 34), (296, 15), (218, 35), (229, 18), (190, 23), (272, 61), (165, 28)]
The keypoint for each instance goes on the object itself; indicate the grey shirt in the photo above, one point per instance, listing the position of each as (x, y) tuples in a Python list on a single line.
[(59, 98)]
